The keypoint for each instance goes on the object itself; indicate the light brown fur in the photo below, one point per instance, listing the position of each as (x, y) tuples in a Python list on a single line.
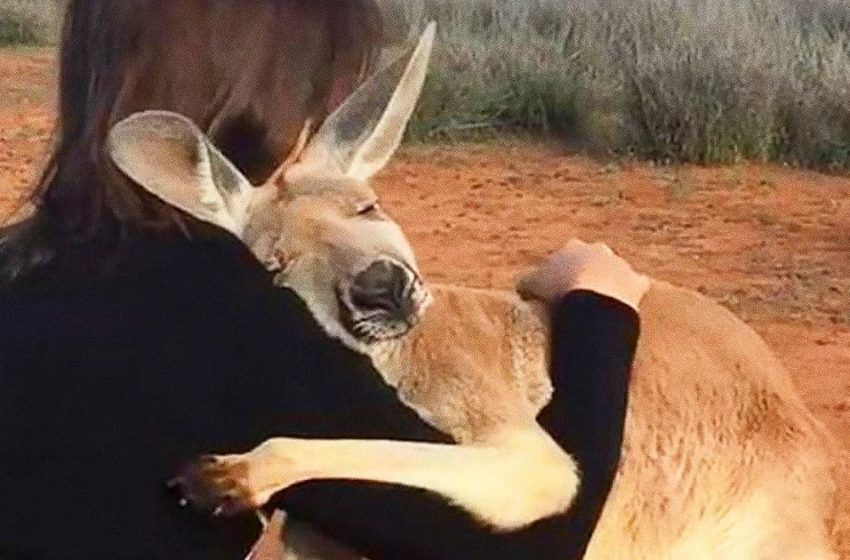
[(722, 459), (476, 362), (317, 226)]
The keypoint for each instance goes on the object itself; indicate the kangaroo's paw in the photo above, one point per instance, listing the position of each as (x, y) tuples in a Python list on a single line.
[(219, 485)]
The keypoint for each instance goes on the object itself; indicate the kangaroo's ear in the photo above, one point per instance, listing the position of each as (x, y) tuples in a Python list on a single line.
[(169, 156), (361, 136)]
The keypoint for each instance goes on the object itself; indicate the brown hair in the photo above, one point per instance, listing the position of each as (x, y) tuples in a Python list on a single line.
[(249, 72)]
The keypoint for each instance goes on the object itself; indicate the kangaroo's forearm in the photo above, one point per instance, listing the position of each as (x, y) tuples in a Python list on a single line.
[(506, 484)]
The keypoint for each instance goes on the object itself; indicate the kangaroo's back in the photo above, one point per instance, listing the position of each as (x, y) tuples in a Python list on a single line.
[(722, 459)]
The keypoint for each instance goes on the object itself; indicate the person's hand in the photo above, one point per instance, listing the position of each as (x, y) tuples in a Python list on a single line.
[(582, 266)]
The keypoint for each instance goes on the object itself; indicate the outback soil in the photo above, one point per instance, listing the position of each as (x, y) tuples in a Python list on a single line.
[(771, 243)]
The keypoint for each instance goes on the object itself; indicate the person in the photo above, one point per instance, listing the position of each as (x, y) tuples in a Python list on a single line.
[(132, 338)]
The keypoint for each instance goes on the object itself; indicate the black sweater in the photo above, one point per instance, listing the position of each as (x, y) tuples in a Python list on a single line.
[(186, 348)]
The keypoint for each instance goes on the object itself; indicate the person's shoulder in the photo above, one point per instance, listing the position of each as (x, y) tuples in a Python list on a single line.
[(232, 278), (213, 277)]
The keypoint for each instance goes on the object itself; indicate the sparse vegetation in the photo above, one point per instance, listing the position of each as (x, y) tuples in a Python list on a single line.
[(677, 80), (28, 22), (704, 81)]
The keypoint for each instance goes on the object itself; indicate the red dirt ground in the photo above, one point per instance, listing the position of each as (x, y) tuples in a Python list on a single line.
[(771, 243)]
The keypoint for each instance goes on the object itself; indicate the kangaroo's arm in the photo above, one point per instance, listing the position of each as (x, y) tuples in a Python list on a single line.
[(507, 483)]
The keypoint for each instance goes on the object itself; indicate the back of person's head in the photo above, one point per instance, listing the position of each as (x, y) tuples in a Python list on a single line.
[(249, 73)]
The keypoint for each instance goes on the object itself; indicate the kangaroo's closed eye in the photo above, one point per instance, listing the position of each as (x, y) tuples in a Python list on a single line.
[(367, 209)]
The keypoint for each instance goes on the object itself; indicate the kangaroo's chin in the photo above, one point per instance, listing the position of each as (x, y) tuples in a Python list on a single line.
[(379, 328)]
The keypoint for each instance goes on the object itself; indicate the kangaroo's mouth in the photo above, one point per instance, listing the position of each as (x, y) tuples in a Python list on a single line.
[(384, 301)]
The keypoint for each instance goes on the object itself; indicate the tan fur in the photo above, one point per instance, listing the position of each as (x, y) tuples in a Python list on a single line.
[(543, 478), (475, 363), (316, 224), (722, 460)]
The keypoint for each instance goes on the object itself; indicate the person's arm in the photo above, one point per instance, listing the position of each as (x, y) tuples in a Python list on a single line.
[(595, 328), (593, 344)]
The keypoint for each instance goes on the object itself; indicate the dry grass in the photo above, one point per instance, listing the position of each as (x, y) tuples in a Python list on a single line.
[(679, 80), (694, 80), (28, 22)]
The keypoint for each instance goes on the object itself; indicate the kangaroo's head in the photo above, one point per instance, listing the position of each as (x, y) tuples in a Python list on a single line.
[(317, 224)]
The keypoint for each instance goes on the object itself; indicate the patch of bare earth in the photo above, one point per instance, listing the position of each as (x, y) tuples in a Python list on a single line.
[(27, 80), (771, 243)]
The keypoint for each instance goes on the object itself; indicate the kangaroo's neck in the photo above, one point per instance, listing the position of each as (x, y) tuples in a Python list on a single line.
[(472, 346), (470, 321)]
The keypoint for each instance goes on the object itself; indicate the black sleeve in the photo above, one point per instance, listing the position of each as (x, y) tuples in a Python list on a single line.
[(593, 344)]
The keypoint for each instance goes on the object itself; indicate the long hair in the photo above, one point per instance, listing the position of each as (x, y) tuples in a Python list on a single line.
[(248, 72)]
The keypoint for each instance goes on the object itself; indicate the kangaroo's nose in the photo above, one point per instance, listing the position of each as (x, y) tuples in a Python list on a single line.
[(384, 286)]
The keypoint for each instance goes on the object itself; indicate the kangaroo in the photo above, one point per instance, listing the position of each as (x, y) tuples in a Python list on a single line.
[(722, 460)]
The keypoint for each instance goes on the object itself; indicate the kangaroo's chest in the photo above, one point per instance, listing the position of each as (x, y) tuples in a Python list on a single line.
[(477, 362)]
